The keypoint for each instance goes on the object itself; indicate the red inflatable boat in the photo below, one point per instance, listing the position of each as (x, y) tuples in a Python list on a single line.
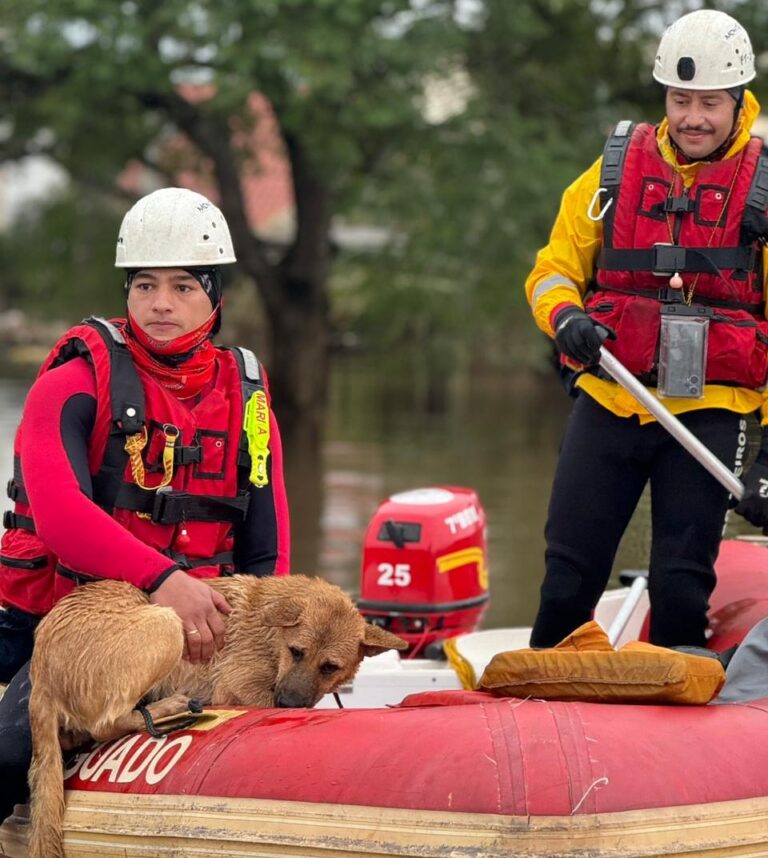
[(449, 773)]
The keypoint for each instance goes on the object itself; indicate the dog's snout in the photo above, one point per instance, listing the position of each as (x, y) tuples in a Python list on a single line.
[(292, 700)]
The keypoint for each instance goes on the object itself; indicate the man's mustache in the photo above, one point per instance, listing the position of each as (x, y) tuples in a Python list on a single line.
[(697, 129)]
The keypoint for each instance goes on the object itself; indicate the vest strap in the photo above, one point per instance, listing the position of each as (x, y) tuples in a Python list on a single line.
[(614, 153), (15, 486), (662, 295), (169, 507), (78, 577), (13, 521), (127, 408), (223, 558), (667, 259), (16, 492), (24, 563), (757, 197), (611, 171)]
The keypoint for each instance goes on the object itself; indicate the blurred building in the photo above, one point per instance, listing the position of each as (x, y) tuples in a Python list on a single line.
[(265, 174)]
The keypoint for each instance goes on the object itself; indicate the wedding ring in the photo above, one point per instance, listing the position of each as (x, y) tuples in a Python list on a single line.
[(193, 632)]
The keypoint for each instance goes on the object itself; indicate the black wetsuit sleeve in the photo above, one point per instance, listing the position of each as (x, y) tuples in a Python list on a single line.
[(77, 418), (256, 539)]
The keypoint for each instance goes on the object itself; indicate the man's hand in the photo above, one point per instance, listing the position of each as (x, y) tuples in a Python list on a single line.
[(754, 502), (200, 608), (578, 337)]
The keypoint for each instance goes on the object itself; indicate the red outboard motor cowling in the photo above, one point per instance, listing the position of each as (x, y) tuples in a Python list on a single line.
[(424, 575)]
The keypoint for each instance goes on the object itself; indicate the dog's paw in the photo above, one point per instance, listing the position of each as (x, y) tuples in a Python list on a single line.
[(176, 704)]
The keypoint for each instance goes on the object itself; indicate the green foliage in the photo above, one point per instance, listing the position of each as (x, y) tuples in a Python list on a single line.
[(466, 198), (339, 75), (550, 79), (58, 261)]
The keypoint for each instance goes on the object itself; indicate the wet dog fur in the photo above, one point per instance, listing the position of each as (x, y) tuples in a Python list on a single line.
[(105, 648)]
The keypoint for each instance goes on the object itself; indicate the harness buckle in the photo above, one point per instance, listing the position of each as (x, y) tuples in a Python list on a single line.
[(187, 455), (679, 205), (667, 259), (160, 506)]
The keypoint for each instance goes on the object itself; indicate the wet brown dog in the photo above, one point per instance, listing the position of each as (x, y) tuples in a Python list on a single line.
[(104, 648)]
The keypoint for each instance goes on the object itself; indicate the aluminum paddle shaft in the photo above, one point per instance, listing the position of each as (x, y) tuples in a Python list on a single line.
[(676, 429)]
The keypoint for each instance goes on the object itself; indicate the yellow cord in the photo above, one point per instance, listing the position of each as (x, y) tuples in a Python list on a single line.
[(463, 668), (134, 444)]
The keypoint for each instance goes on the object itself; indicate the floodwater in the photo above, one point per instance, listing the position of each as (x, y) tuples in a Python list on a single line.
[(390, 429)]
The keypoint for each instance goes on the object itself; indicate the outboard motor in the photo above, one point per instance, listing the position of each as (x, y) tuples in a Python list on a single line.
[(425, 576)]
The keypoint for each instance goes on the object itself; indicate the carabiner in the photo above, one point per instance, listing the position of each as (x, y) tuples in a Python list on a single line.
[(596, 198)]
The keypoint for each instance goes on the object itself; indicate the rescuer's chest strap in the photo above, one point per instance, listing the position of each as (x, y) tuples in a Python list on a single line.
[(665, 260)]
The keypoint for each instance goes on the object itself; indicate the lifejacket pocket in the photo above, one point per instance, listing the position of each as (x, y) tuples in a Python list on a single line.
[(636, 321), (737, 347), (653, 195), (709, 206), (737, 352), (26, 572), (213, 446)]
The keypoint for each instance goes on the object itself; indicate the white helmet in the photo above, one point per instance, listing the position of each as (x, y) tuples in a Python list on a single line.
[(705, 50), (173, 228)]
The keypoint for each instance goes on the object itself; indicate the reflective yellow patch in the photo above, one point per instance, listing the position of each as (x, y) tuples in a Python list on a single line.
[(207, 720)]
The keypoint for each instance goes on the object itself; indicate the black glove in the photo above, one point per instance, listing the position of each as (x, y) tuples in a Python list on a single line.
[(754, 502), (578, 337)]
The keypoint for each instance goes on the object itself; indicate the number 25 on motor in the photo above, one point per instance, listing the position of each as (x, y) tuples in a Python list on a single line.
[(394, 574)]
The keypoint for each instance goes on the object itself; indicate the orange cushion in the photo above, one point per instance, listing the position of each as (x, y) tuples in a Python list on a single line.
[(585, 666)]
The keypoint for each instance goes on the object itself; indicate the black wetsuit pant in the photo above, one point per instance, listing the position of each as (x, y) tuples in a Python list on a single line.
[(15, 743), (605, 462), (16, 639)]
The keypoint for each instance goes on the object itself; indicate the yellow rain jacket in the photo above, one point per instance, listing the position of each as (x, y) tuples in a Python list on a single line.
[(571, 254)]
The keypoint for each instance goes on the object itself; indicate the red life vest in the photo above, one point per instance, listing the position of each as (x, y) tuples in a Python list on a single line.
[(655, 228), (191, 520)]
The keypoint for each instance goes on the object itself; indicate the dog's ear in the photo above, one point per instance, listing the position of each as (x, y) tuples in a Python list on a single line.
[(282, 612), (378, 640)]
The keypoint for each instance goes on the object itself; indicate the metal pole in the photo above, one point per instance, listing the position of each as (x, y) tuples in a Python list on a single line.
[(628, 606), (702, 454)]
